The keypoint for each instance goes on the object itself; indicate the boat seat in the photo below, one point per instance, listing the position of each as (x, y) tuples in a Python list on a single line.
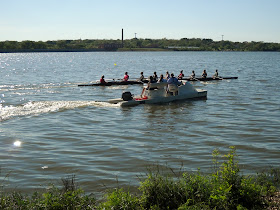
[(173, 89)]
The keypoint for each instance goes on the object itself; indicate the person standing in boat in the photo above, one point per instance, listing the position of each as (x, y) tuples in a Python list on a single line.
[(173, 80), (102, 80), (126, 77), (181, 75), (141, 77), (204, 74), (192, 77), (173, 84), (216, 75)]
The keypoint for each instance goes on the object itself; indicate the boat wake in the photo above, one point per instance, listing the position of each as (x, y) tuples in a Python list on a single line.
[(41, 107)]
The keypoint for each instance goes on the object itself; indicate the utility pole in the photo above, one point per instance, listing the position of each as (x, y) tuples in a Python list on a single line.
[(122, 37)]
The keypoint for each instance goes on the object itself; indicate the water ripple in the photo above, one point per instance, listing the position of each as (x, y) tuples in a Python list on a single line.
[(65, 129)]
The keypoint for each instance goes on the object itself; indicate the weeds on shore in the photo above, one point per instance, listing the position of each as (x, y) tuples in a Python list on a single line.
[(68, 197), (224, 188)]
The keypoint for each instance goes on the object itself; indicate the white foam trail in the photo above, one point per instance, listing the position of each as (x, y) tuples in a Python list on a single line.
[(40, 107), (119, 87), (36, 86)]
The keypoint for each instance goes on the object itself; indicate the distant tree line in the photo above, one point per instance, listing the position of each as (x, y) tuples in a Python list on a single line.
[(184, 44)]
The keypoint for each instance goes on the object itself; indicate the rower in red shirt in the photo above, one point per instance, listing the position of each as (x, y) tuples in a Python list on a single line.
[(102, 81), (126, 77), (181, 75)]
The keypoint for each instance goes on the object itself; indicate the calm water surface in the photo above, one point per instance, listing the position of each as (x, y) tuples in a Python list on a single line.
[(51, 128)]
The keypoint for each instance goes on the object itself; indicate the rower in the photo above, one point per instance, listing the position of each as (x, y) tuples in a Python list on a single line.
[(181, 75), (216, 75), (155, 76), (192, 77), (167, 76), (204, 74), (126, 77), (102, 81), (141, 77)]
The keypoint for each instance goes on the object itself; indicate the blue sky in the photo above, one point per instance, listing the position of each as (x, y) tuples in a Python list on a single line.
[(237, 20)]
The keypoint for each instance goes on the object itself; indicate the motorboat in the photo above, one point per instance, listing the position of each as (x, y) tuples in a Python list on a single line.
[(160, 93)]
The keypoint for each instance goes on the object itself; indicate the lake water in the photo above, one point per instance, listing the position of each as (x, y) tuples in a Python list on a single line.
[(51, 128)]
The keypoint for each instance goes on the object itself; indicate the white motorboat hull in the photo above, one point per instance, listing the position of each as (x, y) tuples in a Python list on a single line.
[(159, 94)]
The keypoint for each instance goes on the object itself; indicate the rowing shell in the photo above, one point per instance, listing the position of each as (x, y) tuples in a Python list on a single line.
[(208, 78), (131, 82)]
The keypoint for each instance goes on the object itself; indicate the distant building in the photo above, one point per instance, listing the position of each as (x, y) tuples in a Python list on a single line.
[(111, 46), (181, 47)]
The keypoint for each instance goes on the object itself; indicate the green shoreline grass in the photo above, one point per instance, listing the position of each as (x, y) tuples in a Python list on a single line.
[(224, 188)]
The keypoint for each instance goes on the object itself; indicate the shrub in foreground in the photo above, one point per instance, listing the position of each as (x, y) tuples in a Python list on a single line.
[(225, 188), (118, 199), (54, 198), (162, 191)]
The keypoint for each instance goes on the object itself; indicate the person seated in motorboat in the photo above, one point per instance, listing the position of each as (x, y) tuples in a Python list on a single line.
[(155, 76), (192, 77), (204, 74), (161, 79), (141, 77), (216, 75), (173, 80), (167, 75), (181, 75), (151, 80), (126, 77), (173, 84), (102, 80)]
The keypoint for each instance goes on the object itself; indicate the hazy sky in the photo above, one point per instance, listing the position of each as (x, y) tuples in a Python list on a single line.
[(237, 20)]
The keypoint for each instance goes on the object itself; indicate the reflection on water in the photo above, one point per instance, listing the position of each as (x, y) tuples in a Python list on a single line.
[(17, 143), (51, 128)]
